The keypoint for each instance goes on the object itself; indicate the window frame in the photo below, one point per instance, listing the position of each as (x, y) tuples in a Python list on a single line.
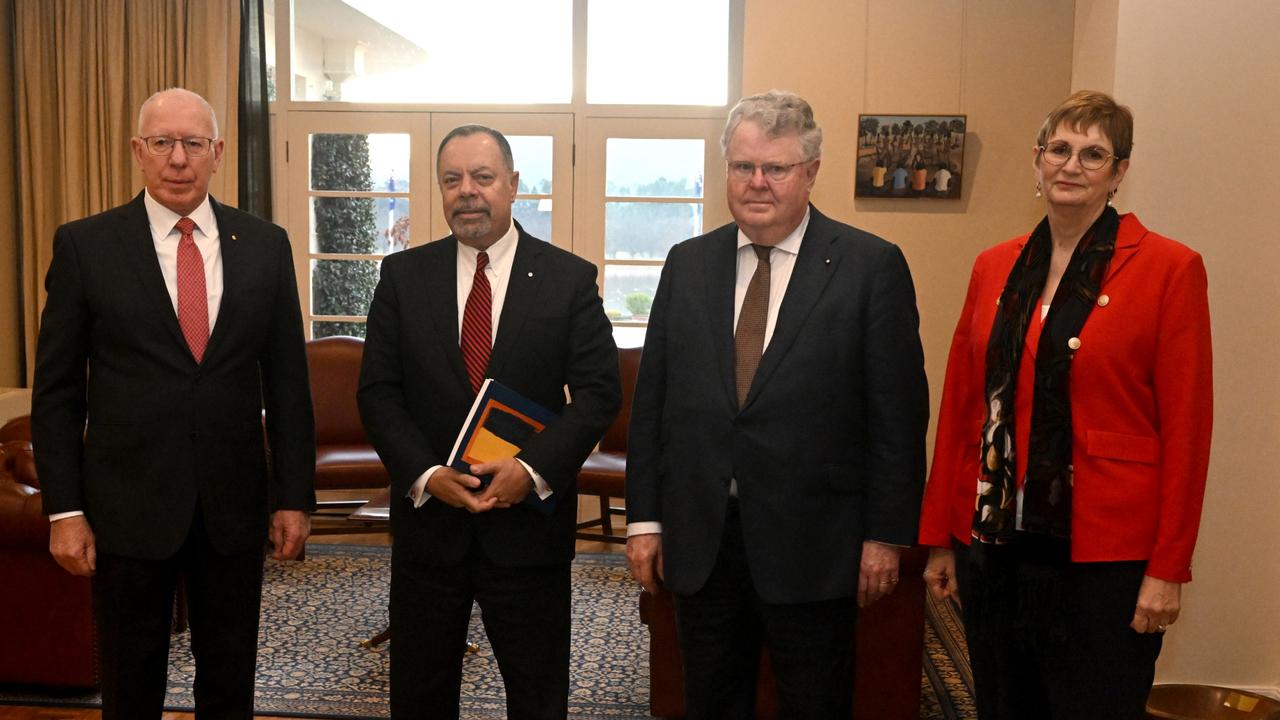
[(589, 121)]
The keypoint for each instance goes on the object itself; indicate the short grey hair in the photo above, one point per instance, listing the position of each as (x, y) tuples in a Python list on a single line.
[(213, 117), (777, 112), (466, 130)]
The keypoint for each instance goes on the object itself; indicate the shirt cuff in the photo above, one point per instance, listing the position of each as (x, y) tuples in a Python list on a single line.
[(418, 490), (63, 516), (650, 527), (540, 486)]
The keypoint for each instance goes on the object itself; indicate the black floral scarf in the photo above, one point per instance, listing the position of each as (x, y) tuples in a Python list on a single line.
[(1046, 502)]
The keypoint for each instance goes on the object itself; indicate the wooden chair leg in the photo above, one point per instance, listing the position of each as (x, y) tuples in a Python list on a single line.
[(606, 517)]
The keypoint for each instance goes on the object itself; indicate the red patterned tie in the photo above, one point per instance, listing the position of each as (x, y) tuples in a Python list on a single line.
[(477, 325), (193, 300)]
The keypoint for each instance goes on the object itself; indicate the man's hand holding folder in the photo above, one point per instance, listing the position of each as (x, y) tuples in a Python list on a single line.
[(500, 422), (510, 485), (459, 490)]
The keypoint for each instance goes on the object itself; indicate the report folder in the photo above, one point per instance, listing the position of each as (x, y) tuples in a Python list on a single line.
[(501, 421)]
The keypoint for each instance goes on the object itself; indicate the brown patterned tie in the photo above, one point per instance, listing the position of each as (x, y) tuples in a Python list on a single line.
[(193, 300), (477, 325), (748, 340)]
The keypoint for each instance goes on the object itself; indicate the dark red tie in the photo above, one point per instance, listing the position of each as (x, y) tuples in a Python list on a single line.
[(477, 325), (193, 299)]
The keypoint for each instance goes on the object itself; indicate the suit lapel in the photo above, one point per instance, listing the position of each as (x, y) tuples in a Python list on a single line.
[(235, 271), (721, 271), (1128, 238), (440, 284), (522, 288), (135, 236), (815, 264)]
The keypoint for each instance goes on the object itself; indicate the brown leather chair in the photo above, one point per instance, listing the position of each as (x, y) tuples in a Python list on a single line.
[(605, 471), (18, 428), (345, 459), (888, 655), (47, 632)]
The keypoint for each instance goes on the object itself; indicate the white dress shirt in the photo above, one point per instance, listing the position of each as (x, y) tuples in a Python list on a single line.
[(781, 262), (165, 237), (502, 255)]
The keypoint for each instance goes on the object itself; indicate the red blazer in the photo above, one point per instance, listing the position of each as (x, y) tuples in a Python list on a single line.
[(1141, 405)]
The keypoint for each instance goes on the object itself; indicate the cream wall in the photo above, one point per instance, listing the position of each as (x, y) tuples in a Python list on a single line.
[(1202, 81), (988, 59)]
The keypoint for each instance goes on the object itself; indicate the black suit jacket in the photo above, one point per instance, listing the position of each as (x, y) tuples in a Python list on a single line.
[(165, 433), (828, 449), (414, 393)]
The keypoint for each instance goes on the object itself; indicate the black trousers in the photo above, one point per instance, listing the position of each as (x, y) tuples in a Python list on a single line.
[(1049, 639), (526, 614), (723, 626), (133, 605)]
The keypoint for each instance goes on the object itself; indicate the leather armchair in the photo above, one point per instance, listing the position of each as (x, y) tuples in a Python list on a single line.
[(605, 472), (47, 632), (887, 664), (345, 459)]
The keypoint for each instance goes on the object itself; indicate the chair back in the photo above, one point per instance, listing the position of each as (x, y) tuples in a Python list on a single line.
[(615, 438), (18, 428), (334, 367)]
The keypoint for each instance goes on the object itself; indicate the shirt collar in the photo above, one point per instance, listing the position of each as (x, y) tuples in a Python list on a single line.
[(790, 243), (498, 251), (163, 219)]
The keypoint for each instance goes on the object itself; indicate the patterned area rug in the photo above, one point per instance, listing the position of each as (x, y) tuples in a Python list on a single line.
[(310, 662), (947, 680)]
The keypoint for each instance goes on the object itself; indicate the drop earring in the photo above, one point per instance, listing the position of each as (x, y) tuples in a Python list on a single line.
[(1109, 196), (1037, 189)]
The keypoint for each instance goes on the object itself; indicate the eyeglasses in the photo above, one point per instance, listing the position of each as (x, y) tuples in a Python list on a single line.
[(1091, 158), (164, 145), (775, 172)]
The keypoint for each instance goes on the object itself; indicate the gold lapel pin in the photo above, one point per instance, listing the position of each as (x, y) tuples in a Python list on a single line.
[(233, 236)]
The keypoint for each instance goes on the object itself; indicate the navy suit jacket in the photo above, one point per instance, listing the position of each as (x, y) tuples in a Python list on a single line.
[(414, 393), (827, 450), (165, 434)]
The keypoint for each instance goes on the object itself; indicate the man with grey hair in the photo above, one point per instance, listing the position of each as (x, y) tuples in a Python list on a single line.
[(489, 301), (173, 329), (776, 455)]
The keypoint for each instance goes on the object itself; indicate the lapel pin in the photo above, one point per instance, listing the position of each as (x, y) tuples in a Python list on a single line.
[(233, 236), (530, 273), (828, 261)]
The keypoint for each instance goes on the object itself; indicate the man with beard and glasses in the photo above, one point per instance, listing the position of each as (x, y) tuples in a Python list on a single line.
[(489, 301)]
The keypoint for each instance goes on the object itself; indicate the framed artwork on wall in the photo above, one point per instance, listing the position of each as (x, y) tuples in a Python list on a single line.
[(910, 156)]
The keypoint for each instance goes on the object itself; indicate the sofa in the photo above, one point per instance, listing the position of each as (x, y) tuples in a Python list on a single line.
[(46, 614), (889, 651)]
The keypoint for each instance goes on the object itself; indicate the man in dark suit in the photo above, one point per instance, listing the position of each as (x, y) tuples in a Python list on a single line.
[(487, 301), (172, 323), (776, 455)]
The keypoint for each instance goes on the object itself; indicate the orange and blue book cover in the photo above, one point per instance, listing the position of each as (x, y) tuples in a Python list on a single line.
[(501, 421)]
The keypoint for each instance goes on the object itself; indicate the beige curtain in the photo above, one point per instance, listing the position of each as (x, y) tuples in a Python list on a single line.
[(83, 69)]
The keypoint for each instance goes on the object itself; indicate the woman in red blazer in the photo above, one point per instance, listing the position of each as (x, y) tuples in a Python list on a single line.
[(1073, 440)]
